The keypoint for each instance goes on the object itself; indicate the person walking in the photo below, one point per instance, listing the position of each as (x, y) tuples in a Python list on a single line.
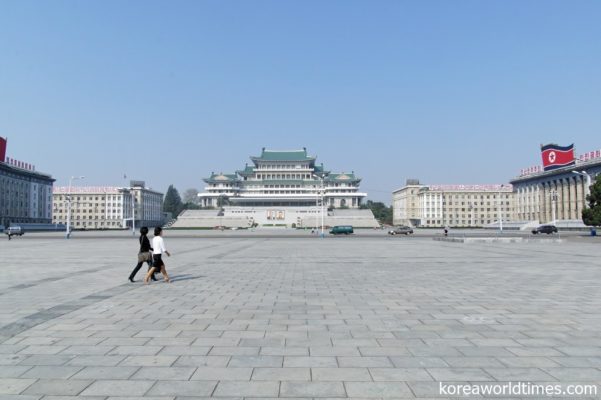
[(144, 255), (158, 245)]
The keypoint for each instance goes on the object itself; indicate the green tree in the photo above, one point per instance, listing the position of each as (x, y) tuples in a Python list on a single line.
[(190, 200), (191, 196), (223, 200), (381, 212), (172, 202), (592, 215)]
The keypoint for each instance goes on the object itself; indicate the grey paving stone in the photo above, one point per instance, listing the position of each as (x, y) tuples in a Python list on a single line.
[(59, 387), (118, 388), (182, 388), (281, 374), (41, 349), (459, 374), (247, 389), (473, 362), (326, 351), (52, 397), (222, 374), (202, 361), (519, 374), (378, 390), (575, 374), (312, 389), (88, 350), (149, 361), (340, 374), (535, 351), (284, 351), (383, 351), (14, 386), (184, 351), (141, 398), (21, 397), (95, 361), (576, 362), (164, 373), (42, 359), (256, 361), (136, 350), (105, 373), (398, 374), (51, 372), (12, 359), (13, 371), (528, 362), (324, 362), (364, 362), (234, 351)]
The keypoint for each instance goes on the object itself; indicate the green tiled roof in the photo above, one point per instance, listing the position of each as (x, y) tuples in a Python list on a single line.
[(342, 178), (320, 170), (291, 155), (214, 178), (246, 171)]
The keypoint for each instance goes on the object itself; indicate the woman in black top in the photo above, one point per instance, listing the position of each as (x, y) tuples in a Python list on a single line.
[(144, 255)]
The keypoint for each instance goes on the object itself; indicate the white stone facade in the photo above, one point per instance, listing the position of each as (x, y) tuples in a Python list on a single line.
[(452, 205), (556, 196), (107, 207), (282, 179)]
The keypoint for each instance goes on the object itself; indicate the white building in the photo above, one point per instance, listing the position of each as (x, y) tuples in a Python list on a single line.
[(452, 205), (25, 194), (557, 196), (107, 207), (282, 179)]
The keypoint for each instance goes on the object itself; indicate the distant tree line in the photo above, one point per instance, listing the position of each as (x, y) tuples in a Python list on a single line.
[(174, 204), (381, 212)]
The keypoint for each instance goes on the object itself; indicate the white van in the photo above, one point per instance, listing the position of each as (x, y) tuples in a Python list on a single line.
[(14, 231)]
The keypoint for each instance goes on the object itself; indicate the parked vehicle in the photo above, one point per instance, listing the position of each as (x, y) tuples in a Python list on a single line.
[(14, 231), (548, 229), (401, 230), (341, 230)]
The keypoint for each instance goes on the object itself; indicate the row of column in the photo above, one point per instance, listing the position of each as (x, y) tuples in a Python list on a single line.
[(563, 198)]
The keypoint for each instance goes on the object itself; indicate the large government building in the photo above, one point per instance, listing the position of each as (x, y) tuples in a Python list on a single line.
[(557, 196), (108, 207), (25, 194), (280, 189), (282, 179), (416, 204)]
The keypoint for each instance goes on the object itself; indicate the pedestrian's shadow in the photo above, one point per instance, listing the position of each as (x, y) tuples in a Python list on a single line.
[(185, 277)]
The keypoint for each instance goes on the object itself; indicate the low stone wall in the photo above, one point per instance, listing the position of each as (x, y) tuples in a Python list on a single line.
[(496, 240)]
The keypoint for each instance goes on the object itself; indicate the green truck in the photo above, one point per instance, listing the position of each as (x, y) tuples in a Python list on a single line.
[(341, 230)]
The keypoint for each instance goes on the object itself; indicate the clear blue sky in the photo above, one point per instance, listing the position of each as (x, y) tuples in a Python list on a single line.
[(166, 92)]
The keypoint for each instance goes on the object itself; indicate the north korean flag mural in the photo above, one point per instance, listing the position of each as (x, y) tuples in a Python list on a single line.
[(555, 156), (2, 149)]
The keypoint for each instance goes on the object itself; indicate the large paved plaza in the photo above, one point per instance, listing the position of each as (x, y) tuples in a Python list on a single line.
[(266, 317)]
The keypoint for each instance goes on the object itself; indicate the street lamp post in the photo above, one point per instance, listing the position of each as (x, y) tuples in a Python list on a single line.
[(133, 205), (553, 205), (322, 192), (588, 184), (500, 213), (316, 211), (133, 212), (68, 232)]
